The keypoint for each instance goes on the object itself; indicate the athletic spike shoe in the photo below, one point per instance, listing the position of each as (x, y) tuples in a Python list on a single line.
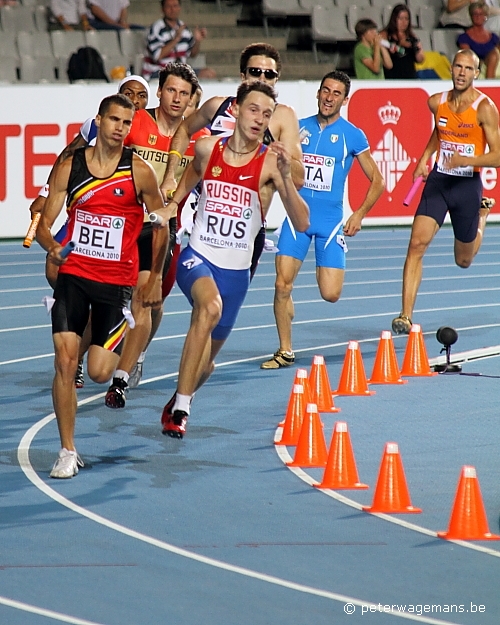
[(66, 465), (115, 397), (166, 415), (488, 203), (176, 424), (280, 359), (79, 379), (135, 375), (401, 324)]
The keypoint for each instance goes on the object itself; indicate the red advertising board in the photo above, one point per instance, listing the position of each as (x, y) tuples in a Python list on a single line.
[(398, 124)]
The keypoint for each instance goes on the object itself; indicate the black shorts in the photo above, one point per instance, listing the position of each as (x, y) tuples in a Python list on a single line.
[(75, 296), (458, 195), (145, 245)]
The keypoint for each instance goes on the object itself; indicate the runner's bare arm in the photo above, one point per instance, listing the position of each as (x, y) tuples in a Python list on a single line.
[(39, 202), (279, 162), (375, 190), (421, 169), (147, 186), (289, 136), (53, 206), (180, 141), (487, 116)]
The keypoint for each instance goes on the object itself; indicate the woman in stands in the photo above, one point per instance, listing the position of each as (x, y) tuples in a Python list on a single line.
[(406, 49), (481, 41)]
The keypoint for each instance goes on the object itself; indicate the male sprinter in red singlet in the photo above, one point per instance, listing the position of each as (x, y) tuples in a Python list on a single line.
[(239, 175), (106, 187), (258, 62), (466, 122), (150, 137)]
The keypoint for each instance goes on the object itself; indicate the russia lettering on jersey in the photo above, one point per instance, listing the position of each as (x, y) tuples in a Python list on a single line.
[(229, 213)]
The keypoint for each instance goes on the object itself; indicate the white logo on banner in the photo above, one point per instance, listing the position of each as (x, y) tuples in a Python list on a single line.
[(392, 159)]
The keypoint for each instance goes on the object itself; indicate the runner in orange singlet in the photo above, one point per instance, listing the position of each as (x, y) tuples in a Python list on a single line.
[(466, 122)]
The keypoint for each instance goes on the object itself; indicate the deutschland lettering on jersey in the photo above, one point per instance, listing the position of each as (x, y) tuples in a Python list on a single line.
[(229, 213), (104, 221), (148, 142)]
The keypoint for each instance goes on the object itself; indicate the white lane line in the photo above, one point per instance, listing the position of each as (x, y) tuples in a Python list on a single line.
[(320, 320), (26, 607), (24, 275), (285, 457), (25, 464), (272, 325)]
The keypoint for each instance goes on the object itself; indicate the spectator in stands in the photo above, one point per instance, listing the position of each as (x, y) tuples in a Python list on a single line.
[(406, 49), (481, 41), (455, 14), (370, 56), (171, 41), (110, 15), (493, 22), (68, 15)]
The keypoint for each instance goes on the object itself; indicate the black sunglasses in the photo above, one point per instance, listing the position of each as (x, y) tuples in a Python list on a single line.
[(256, 72)]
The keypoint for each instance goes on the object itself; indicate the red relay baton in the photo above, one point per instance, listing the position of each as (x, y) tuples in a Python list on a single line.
[(412, 191)]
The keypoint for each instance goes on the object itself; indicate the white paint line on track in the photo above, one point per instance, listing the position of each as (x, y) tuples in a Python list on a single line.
[(24, 275), (285, 457), (64, 618), (33, 477)]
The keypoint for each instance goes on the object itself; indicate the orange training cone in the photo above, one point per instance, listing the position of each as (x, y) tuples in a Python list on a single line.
[(416, 362), (353, 376), (391, 493), (300, 378), (468, 517), (385, 367), (311, 447), (319, 386), (294, 416), (340, 471)]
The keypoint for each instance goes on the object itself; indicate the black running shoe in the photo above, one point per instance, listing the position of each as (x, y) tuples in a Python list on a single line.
[(79, 379), (115, 397), (176, 424)]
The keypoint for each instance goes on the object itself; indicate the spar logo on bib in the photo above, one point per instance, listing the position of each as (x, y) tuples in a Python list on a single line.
[(398, 124)]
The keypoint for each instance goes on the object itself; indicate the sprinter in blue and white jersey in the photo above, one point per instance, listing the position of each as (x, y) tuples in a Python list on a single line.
[(329, 145)]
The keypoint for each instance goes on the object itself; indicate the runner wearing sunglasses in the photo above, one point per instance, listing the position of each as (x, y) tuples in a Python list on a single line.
[(258, 62)]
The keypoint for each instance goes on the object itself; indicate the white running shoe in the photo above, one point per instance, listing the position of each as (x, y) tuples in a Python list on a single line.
[(66, 464), (135, 375)]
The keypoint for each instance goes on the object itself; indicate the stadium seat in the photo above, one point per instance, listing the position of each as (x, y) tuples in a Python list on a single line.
[(133, 45), (427, 17), (327, 28), (444, 40), (107, 43), (17, 18), (356, 13), (283, 9), (8, 69), (36, 70)]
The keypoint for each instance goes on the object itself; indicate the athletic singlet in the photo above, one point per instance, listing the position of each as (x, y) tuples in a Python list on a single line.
[(223, 121), (148, 142), (229, 213), (327, 155), (460, 132), (105, 220)]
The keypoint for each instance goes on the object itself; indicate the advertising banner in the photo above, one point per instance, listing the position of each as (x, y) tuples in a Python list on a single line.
[(39, 120)]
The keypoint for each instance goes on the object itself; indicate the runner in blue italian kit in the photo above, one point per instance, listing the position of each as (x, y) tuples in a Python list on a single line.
[(329, 144)]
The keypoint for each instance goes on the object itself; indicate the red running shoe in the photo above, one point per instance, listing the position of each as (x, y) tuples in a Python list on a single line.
[(166, 415), (176, 424)]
